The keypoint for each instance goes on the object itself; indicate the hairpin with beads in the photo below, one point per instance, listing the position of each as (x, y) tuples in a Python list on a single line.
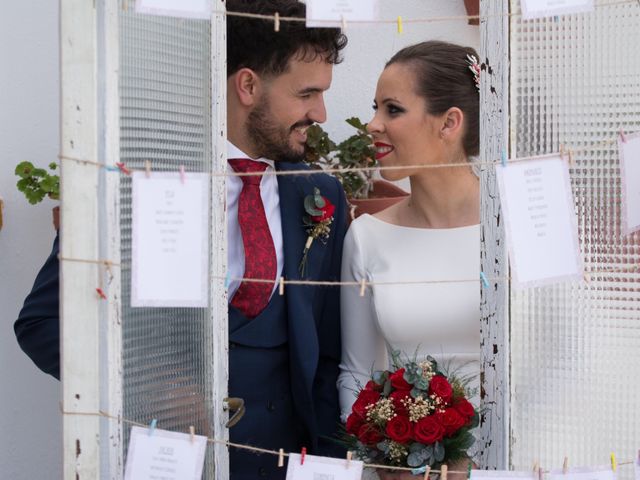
[(474, 66)]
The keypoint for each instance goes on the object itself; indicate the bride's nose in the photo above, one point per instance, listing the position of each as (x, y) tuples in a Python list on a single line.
[(374, 126)]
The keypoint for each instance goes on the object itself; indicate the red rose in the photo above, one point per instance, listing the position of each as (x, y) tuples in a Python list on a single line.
[(354, 422), (371, 385), (464, 408), (365, 397), (428, 430), (369, 435), (441, 387), (397, 397), (451, 420), (397, 380), (399, 429), (327, 211)]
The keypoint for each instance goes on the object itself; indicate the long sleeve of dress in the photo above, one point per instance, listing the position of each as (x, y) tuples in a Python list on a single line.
[(363, 348)]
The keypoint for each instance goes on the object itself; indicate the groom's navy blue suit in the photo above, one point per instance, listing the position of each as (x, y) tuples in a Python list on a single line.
[(284, 363)]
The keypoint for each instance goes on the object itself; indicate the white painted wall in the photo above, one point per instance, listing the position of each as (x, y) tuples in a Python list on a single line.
[(30, 420)]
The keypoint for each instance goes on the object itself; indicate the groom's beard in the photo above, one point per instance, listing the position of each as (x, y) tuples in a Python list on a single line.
[(271, 140)]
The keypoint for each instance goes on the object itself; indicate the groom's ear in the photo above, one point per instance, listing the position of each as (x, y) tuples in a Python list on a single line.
[(246, 84)]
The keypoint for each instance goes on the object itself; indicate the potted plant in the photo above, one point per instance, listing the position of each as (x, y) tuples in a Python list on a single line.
[(37, 183), (365, 194)]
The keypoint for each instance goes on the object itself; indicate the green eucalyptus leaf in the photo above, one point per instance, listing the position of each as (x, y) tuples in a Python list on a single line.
[(415, 459), (438, 451), (310, 206), (386, 390)]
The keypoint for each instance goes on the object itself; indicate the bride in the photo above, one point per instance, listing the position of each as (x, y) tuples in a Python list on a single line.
[(426, 114)]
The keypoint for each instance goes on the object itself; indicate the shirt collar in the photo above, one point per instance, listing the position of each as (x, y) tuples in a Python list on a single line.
[(235, 152)]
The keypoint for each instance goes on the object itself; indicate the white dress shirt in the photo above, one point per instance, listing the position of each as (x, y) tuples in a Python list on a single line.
[(271, 201)]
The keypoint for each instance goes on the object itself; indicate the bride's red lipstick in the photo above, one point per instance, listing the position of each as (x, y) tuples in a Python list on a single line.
[(382, 149)]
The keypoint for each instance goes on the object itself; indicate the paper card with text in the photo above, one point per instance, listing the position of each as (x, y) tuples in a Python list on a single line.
[(550, 8), (175, 8), (164, 455), (603, 472), (630, 180), (170, 240), (540, 221), (329, 13), (322, 468), (502, 475)]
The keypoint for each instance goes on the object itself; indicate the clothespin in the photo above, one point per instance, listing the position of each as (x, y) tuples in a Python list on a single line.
[(101, 293), (122, 167), (303, 453), (152, 426), (562, 150), (503, 158), (399, 25), (147, 168), (183, 176), (443, 472), (613, 462), (469, 469), (426, 473), (571, 161), (363, 286), (483, 278), (536, 466), (622, 136), (276, 22), (281, 288), (281, 457), (565, 465), (349, 457), (227, 280), (586, 277), (192, 433), (343, 22)]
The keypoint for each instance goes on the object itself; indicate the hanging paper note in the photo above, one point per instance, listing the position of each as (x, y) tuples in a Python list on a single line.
[(629, 149), (502, 475), (330, 13), (540, 221), (176, 8), (164, 455), (584, 473), (170, 240), (315, 468), (550, 8)]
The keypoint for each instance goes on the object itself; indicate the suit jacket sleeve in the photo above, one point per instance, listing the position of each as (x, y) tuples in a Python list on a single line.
[(38, 325), (325, 393)]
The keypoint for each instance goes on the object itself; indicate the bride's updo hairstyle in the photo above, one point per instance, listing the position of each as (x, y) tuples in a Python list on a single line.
[(444, 80)]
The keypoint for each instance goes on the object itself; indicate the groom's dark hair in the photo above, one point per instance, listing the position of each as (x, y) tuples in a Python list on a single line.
[(253, 43)]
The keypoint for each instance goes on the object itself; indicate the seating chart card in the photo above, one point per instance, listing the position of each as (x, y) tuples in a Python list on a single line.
[(164, 455), (170, 240), (322, 468), (584, 473), (630, 179), (329, 13), (175, 8), (502, 475), (540, 221), (549, 8)]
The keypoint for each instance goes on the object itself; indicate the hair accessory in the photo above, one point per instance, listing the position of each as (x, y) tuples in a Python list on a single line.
[(474, 66)]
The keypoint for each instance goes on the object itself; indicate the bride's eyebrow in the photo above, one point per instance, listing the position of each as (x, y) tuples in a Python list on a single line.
[(390, 99)]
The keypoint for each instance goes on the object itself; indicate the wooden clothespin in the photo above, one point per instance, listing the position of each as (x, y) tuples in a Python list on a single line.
[(536, 466), (363, 286), (400, 29), (343, 22), (562, 150), (565, 465), (281, 458), (572, 162), (183, 176), (147, 168), (276, 22), (303, 453), (192, 433), (443, 472), (349, 457), (614, 466), (586, 277), (152, 426), (281, 288), (426, 473)]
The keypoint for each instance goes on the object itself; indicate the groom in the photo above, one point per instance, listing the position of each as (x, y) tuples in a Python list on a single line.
[(284, 350)]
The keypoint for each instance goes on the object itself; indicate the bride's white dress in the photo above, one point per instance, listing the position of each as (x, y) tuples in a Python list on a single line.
[(441, 319)]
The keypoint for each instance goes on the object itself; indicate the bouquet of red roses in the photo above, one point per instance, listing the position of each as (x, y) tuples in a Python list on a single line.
[(412, 417)]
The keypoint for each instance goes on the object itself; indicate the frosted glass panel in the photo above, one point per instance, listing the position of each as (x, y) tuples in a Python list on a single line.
[(575, 351), (165, 117)]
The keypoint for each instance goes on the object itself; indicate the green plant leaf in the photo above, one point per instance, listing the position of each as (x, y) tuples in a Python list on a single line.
[(24, 169)]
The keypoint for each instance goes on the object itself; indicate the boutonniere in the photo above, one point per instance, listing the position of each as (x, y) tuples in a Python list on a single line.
[(317, 221)]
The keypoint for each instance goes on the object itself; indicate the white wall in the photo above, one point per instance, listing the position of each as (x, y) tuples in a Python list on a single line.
[(30, 423), (30, 420)]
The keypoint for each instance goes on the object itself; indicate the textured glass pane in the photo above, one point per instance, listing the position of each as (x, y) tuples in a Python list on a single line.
[(576, 347), (165, 117)]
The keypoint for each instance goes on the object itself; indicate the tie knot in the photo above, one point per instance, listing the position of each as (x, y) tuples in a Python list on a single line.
[(244, 165)]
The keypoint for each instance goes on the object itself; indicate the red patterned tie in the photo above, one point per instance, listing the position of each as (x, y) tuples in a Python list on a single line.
[(259, 252)]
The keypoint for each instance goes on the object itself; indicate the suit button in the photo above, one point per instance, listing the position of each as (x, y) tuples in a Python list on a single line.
[(262, 472), (270, 406)]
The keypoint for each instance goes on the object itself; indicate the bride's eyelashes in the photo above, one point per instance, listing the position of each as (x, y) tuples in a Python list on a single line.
[(391, 108)]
